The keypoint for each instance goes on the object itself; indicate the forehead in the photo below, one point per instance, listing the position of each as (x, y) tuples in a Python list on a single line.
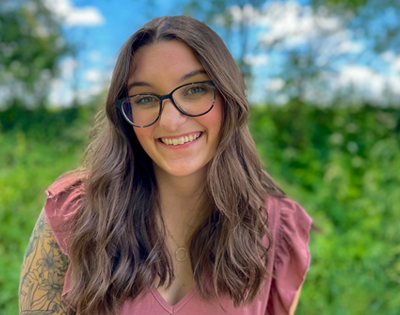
[(163, 61)]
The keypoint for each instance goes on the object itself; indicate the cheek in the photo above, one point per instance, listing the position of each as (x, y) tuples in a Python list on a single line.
[(215, 120), (215, 123), (144, 136)]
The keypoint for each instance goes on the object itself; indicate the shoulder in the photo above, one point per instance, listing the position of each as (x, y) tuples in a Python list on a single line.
[(71, 182), (64, 194), (64, 199), (285, 213), (290, 227)]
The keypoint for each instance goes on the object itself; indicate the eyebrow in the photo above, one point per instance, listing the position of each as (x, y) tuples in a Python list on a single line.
[(192, 74), (183, 78)]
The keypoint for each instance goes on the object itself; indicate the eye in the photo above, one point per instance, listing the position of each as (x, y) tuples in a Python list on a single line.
[(145, 100), (195, 90)]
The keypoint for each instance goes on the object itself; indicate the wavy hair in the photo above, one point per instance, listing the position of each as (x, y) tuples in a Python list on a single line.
[(117, 249)]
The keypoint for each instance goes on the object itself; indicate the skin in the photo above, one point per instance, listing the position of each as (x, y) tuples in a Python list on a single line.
[(180, 172), (180, 175), (160, 68), (295, 302), (37, 292), (42, 275)]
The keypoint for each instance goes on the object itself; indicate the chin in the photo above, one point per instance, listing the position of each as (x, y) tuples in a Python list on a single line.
[(179, 171)]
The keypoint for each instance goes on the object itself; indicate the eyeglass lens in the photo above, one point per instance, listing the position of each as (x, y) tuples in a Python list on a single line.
[(194, 99)]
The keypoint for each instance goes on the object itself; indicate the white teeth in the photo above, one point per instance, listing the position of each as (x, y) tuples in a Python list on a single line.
[(181, 140)]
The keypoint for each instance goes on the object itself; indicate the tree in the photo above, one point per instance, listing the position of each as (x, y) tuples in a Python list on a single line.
[(378, 20), (31, 43), (217, 13), (310, 46)]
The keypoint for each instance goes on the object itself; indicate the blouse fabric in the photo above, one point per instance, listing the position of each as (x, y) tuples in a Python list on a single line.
[(289, 259)]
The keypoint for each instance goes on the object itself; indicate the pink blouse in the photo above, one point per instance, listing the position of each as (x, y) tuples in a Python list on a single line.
[(289, 260)]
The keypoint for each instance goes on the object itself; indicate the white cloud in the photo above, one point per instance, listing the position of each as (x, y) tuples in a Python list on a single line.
[(72, 15), (275, 84), (284, 26), (68, 66), (293, 24), (388, 56), (290, 24), (256, 60), (396, 64), (61, 88), (84, 95), (362, 78), (393, 83), (92, 75), (247, 14), (96, 82), (367, 83), (348, 46), (60, 93), (64, 90), (392, 60)]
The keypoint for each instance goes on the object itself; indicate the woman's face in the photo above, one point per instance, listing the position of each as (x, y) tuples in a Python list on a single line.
[(160, 68)]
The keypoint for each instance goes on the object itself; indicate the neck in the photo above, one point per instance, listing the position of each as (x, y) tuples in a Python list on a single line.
[(182, 200)]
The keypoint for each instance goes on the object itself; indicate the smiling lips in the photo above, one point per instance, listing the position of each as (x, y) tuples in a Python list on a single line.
[(180, 140)]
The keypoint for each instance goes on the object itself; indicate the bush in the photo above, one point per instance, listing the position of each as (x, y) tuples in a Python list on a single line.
[(36, 147), (341, 164)]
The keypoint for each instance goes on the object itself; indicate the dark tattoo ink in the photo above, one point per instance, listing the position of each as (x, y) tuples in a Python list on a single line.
[(42, 274)]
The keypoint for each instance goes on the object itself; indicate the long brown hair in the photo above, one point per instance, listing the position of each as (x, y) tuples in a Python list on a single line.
[(117, 249)]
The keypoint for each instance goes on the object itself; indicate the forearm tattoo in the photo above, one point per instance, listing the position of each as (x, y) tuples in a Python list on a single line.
[(42, 275)]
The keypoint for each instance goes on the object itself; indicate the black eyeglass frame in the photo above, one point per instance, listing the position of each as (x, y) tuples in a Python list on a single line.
[(118, 103)]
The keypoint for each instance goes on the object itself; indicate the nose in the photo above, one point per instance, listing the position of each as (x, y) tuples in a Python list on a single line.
[(171, 118)]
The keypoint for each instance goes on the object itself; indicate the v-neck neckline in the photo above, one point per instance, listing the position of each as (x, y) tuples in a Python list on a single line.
[(173, 309)]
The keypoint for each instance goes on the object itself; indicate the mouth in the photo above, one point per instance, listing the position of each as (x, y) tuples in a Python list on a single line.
[(180, 140)]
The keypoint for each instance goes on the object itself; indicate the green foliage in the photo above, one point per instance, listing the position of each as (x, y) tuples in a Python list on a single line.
[(343, 165), (30, 46), (36, 147), (348, 4)]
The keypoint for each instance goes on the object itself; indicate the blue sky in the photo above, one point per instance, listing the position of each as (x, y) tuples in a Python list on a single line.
[(98, 29)]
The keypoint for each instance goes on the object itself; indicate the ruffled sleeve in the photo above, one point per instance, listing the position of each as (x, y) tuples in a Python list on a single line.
[(292, 255), (63, 201)]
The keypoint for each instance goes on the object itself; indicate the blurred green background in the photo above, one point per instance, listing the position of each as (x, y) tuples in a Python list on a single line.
[(340, 159)]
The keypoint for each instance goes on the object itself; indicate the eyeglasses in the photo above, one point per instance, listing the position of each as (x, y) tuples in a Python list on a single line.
[(191, 99)]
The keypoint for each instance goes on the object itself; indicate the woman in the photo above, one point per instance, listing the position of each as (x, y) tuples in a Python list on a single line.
[(172, 211)]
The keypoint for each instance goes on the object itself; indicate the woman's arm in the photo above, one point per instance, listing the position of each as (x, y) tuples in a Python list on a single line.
[(43, 272), (294, 304)]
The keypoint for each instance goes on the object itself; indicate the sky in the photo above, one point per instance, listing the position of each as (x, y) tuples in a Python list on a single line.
[(98, 28)]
